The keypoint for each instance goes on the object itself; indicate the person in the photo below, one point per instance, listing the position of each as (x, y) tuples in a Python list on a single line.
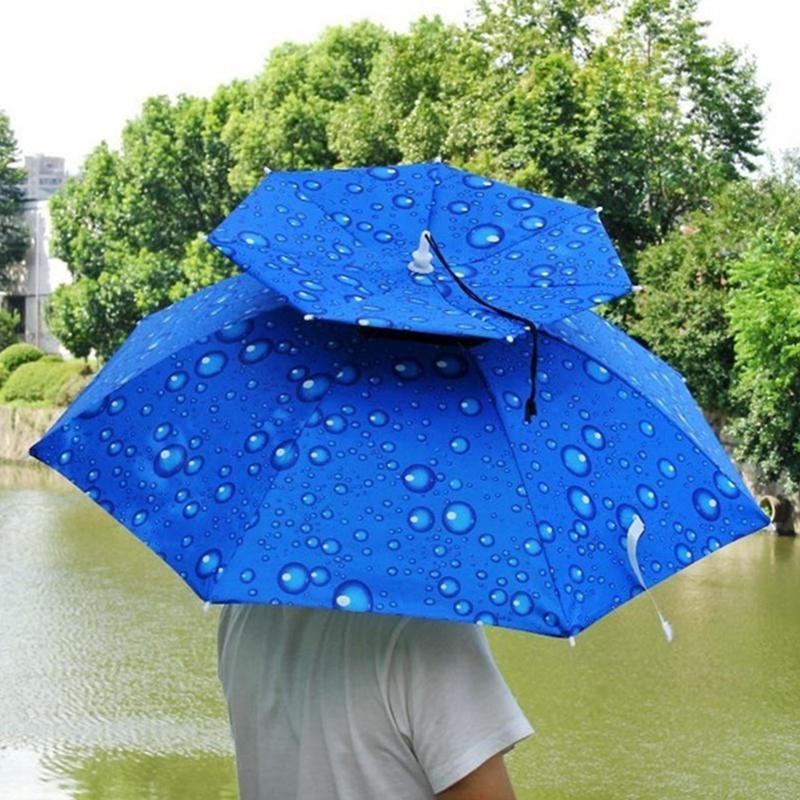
[(335, 705)]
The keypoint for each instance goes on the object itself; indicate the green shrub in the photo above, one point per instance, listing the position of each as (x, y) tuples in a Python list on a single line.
[(3, 375), (9, 322), (46, 382), (18, 354), (50, 357)]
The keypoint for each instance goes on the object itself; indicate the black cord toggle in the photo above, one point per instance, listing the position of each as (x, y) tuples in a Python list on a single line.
[(530, 403)]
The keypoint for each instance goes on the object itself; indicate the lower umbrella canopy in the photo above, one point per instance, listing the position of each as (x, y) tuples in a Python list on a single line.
[(272, 459)]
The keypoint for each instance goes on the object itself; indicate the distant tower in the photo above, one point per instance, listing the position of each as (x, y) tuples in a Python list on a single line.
[(39, 273)]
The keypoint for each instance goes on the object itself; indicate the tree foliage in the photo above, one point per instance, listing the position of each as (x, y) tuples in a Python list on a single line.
[(13, 234), (9, 324), (764, 310), (683, 313), (126, 224), (717, 306)]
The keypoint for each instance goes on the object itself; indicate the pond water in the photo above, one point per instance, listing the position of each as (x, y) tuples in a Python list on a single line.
[(109, 687)]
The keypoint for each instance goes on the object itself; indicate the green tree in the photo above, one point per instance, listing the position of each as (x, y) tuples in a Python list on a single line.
[(126, 223), (764, 309), (647, 120), (13, 234), (416, 85), (683, 312), (168, 183), (285, 121)]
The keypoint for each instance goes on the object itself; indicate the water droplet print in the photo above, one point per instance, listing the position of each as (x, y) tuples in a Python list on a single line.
[(116, 406), (177, 381), (725, 485), (533, 223), (293, 578), (313, 389), (477, 182), (421, 519), (170, 461), (408, 369), (667, 468), (522, 603), (706, 504), (309, 462), (576, 461), (459, 517), (209, 563), (449, 587), (581, 503), (319, 455), (419, 478), (486, 235), (256, 442), (459, 444), (255, 351), (211, 364), (224, 492), (451, 365), (285, 455), (247, 575), (596, 371), (593, 437), (402, 201), (353, 596), (383, 173), (253, 239), (520, 203)]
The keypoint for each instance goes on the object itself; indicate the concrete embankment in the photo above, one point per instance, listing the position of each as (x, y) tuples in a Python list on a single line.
[(21, 427)]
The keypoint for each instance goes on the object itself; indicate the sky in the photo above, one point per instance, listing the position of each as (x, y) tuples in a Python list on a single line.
[(72, 73)]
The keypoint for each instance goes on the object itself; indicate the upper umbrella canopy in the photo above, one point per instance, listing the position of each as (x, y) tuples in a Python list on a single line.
[(340, 244)]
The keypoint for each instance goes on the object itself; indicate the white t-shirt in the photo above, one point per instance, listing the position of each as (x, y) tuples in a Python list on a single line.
[(331, 705)]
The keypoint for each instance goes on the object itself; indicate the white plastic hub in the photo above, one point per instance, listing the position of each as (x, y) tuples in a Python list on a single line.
[(422, 259)]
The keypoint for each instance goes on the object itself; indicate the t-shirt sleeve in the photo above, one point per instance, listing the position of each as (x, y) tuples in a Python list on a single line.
[(453, 705)]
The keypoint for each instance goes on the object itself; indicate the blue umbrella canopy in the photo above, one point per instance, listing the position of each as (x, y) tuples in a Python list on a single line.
[(339, 244), (273, 459)]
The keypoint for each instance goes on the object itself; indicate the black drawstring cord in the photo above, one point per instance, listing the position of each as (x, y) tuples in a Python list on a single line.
[(530, 403)]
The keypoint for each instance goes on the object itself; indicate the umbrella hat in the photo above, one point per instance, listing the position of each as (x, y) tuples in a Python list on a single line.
[(352, 245), (273, 459)]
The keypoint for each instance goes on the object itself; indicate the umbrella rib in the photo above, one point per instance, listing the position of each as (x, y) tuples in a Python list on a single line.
[(550, 568), (603, 285), (267, 490)]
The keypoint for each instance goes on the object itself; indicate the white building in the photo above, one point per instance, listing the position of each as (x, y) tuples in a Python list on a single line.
[(44, 174), (40, 273)]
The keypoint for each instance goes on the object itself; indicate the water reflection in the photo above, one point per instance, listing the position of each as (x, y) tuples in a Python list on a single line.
[(109, 685), (132, 775), (106, 660)]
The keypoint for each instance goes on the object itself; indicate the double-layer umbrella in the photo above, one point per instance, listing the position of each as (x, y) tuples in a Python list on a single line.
[(349, 424)]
